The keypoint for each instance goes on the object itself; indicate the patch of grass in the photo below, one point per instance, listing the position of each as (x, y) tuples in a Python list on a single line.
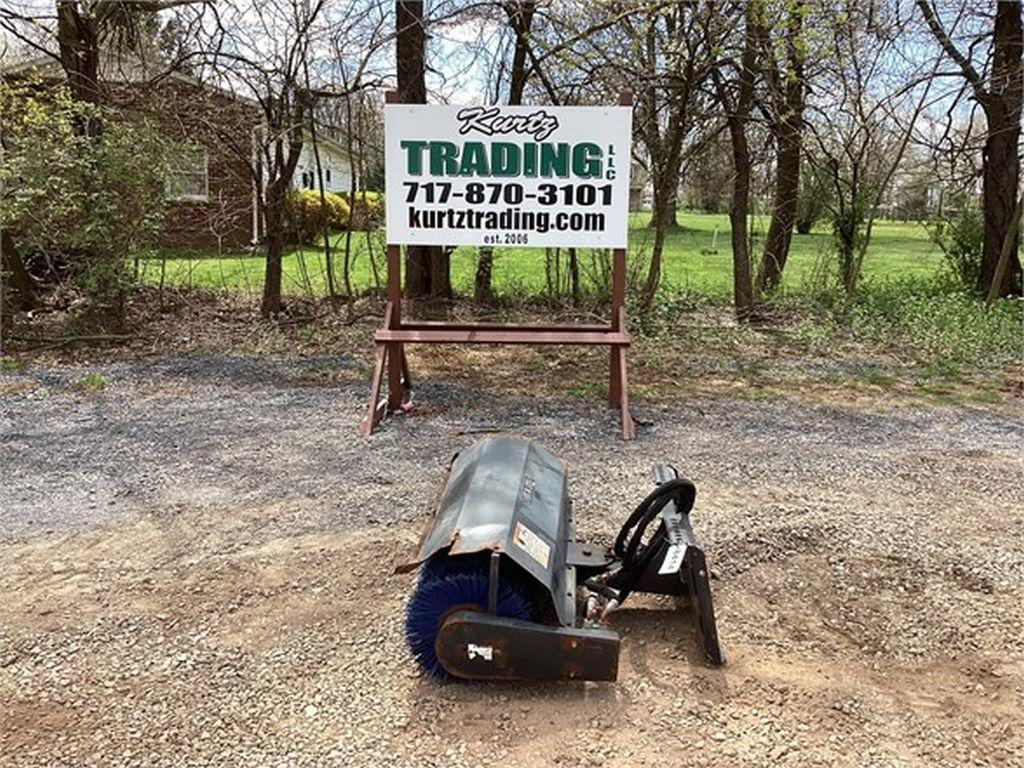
[(91, 382), (10, 365), (697, 260), (938, 389), (877, 377), (588, 389), (986, 397), (755, 394)]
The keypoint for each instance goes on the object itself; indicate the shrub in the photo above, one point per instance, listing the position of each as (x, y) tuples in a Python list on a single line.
[(367, 210), (960, 235), (305, 216), (81, 201), (813, 199)]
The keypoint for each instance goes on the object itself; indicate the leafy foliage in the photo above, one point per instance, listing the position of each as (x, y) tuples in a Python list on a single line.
[(306, 215), (91, 382), (937, 323), (367, 210), (960, 234), (81, 200)]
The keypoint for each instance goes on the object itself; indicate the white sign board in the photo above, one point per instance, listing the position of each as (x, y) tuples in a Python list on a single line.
[(507, 176)]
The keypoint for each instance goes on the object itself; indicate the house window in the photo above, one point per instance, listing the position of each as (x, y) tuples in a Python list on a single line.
[(188, 173), (328, 175)]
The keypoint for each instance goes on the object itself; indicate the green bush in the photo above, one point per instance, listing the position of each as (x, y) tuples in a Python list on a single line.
[(367, 209), (305, 215), (82, 200), (960, 235)]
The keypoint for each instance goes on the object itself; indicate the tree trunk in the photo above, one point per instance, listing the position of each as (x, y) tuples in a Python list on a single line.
[(847, 263), (738, 116), (780, 230), (663, 216), (789, 139), (520, 19), (78, 42), (574, 277), (417, 271), (1004, 255), (670, 215), (654, 268), (411, 42), (1001, 171), (440, 272), (19, 283), (274, 222), (482, 291), (742, 288)]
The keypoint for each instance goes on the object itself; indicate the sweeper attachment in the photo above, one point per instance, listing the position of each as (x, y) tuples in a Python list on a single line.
[(500, 567)]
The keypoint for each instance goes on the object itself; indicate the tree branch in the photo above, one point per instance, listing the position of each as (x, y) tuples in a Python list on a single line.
[(943, 38)]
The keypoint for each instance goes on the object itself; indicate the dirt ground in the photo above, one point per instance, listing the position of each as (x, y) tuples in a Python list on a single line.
[(195, 569)]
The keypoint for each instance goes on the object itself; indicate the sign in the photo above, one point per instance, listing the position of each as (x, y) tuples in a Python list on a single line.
[(507, 176)]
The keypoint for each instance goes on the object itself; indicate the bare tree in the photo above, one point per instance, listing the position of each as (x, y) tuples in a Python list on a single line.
[(265, 50), (674, 56), (998, 87), (736, 98), (784, 109), (518, 17), (870, 99)]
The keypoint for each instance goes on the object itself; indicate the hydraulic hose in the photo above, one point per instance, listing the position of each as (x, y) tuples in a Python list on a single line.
[(634, 555)]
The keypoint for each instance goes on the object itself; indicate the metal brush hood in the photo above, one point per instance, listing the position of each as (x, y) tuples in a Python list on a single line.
[(509, 496)]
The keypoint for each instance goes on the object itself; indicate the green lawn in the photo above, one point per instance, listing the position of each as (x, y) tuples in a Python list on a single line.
[(697, 258)]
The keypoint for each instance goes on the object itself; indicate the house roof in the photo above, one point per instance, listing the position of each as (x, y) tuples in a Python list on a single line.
[(140, 70), (112, 68), (327, 141), (116, 68)]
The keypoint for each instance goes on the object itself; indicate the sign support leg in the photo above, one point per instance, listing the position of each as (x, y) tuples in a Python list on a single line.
[(396, 390), (618, 384), (628, 428), (615, 379), (374, 412)]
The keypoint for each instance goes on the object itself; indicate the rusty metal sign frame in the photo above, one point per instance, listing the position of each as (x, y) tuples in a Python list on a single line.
[(395, 333)]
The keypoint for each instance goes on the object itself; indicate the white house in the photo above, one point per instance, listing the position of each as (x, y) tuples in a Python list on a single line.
[(336, 163)]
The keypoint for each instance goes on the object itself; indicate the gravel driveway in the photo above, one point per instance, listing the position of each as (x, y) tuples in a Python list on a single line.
[(195, 568)]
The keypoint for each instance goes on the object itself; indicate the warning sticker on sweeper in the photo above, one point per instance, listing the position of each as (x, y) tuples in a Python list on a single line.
[(507, 176), (532, 544)]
